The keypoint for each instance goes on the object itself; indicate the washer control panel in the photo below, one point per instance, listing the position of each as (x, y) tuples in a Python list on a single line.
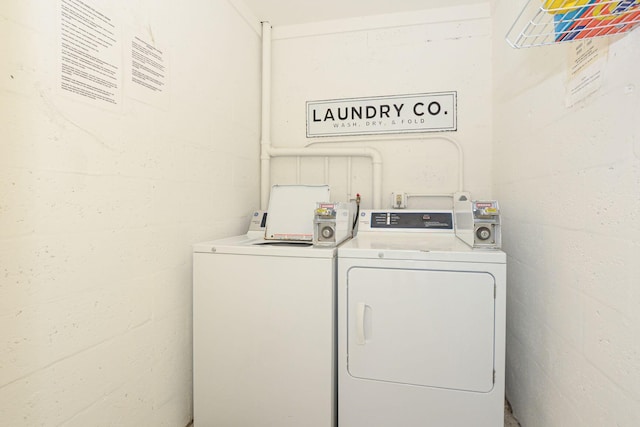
[(333, 223)]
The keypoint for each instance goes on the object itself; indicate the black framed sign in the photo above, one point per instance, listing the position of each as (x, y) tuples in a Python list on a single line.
[(424, 112)]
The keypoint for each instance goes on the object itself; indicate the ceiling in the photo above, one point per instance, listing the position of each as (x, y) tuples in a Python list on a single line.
[(290, 12)]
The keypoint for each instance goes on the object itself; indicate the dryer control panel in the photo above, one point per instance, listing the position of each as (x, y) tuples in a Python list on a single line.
[(419, 220), (406, 220)]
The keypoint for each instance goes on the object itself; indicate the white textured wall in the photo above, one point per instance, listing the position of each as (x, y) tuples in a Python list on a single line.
[(568, 180), (98, 211), (429, 51)]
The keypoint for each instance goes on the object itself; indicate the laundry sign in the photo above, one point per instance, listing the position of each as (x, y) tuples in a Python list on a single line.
[(425, 112)]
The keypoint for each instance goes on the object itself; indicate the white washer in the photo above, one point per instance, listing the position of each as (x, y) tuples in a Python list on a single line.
[(421, 325), (263, 334)]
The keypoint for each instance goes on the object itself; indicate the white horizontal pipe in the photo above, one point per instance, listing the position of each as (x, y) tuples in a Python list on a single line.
[(430, 195), (373, 154), (406, 138)]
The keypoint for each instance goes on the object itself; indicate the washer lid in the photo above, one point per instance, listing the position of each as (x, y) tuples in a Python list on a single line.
[(291, 211), (251, 245)]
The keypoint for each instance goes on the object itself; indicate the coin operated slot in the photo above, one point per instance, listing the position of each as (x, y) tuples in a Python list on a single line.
[(332, 223), (484, 234), (327, 232), (486, 224)]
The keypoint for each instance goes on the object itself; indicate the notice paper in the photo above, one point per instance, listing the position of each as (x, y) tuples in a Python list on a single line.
[(585, 66), (90, 53), (147, 73), (147, 65)]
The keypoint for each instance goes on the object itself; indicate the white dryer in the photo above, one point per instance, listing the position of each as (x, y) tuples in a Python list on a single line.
[(421, 325)]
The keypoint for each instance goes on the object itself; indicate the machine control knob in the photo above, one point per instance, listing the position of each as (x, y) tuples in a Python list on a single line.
[(327, 232), (483, 233)]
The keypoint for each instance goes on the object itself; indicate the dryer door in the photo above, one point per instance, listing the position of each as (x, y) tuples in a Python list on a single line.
[(422, 327)]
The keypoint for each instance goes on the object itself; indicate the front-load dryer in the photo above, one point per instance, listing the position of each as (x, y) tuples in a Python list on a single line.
[(421, 325)]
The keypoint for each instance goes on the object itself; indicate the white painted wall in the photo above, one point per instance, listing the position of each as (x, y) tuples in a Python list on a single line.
[(568, 180), (98, 211), (428, 51)]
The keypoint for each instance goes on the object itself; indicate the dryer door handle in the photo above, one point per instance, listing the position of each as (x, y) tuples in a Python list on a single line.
[(361, 317)]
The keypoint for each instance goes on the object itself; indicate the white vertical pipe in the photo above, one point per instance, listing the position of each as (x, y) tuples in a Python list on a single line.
[(377, 185), (349, 179), (460, 161), (326, 170), (265, 141)]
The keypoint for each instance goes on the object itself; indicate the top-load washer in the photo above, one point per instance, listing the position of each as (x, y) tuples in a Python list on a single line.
[(264, 321), (263, 338), (421, 325)]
